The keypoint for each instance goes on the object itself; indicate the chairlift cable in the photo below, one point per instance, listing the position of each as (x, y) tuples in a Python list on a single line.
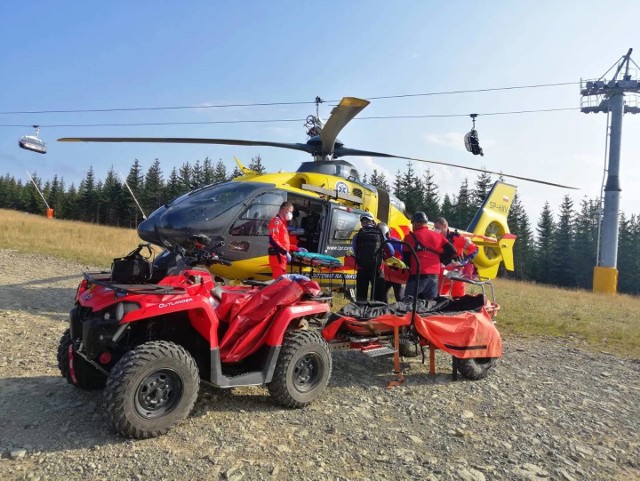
[(266, 121), (269, 104)]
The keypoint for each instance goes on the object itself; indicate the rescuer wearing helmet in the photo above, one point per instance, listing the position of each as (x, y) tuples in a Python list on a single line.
[(368, 246), (429, 246), (392, 267), (279, 245)]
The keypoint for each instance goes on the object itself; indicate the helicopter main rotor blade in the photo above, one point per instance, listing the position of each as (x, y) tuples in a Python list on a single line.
[(342, 151), (341, 115), (170, 140)]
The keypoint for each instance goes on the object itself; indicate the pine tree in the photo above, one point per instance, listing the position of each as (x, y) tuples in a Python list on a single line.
[(57, 197), (236, 173), (448, 210), (483, 186), (430, 201), (207, 171), (135, 181), (196, 176), (112, 199), (31, 200), (562, 249), (585, 244), (174, 187), (256, 164), (379, 180), (629, 255), (184, 174), (89, 197), (523, 249), (72, 203), (397, 184), (152, 193), (544, 244), (220, 173), (8, 192), (411, 190), (464, 210)]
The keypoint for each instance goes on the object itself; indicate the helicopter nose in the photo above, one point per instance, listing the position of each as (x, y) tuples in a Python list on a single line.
[(148, 232)]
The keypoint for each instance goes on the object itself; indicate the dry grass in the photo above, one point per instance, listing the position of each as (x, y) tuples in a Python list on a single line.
[(86, 243), (610, 323), (605, 322)]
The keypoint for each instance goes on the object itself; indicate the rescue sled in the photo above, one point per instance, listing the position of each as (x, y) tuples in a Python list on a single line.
[(463, 327)]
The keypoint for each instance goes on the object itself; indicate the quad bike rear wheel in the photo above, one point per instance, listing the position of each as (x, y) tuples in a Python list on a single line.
[(152, 387), (475, 368), (303, 369), (84, 375)]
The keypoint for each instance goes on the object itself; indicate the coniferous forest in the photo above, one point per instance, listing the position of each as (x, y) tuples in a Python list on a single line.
[(558, 248)]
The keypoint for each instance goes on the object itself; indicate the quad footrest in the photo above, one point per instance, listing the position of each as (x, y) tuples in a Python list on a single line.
[(379, 351)]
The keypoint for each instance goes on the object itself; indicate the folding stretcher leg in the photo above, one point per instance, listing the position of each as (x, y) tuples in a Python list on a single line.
[(432, 359), (396, 360)]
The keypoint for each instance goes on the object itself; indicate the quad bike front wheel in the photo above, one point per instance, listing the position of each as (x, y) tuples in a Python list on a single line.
[(83, 374), (152, 387), (475, 368), (303, 369)]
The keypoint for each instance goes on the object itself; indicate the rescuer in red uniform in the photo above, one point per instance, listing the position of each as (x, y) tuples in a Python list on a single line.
[(465, 252), (429, 245), (279, 245)]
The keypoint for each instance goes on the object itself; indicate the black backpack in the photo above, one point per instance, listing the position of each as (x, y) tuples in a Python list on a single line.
[(369, 247)]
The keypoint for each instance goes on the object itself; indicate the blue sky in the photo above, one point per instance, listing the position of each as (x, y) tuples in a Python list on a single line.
[(83, 55)]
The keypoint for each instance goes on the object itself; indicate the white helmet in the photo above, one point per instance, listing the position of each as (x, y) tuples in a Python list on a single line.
[(367, 216)]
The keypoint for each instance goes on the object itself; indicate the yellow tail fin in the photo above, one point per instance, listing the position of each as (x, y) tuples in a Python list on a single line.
[(491, 231)]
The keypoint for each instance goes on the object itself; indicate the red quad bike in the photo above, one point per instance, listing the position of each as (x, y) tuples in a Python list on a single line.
[(150, 344), (463, 327)]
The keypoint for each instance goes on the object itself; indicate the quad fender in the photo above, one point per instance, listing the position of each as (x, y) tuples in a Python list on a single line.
[(201, 313), (290, 313), (491, 232)]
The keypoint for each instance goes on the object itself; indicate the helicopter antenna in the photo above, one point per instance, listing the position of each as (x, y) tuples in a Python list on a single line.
[(318, 102), (36, 186), (134, 197)]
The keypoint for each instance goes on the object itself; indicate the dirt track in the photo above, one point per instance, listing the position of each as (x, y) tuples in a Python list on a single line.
[(550, 411)]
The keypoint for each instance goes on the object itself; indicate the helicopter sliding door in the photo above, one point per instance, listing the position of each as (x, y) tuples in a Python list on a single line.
[(307, 228)]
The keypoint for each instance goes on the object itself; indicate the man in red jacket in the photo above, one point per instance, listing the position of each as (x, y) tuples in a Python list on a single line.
[(429, 246), (279, 245), (465, 252)]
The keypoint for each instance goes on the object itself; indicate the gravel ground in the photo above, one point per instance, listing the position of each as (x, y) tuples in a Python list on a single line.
[(551, 410)]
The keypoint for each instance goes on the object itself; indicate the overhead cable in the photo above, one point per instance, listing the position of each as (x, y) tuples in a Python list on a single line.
[(268, 104), (266, 121)]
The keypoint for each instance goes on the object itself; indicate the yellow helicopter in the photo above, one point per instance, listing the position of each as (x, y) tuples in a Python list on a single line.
[(328, 198)]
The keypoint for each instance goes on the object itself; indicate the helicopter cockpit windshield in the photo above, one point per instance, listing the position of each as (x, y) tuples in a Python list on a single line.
[(207, 210)]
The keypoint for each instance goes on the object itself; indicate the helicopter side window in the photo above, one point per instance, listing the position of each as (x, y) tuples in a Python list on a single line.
[(254, 221), (344, 226)]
